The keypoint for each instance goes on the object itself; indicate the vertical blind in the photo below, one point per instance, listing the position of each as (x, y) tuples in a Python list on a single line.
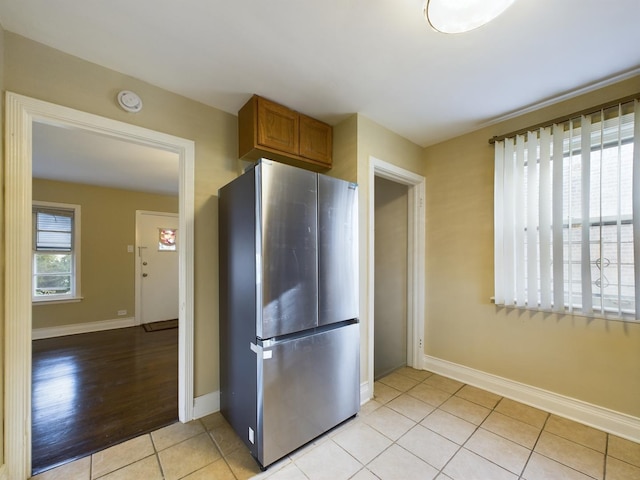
[(567, 216)]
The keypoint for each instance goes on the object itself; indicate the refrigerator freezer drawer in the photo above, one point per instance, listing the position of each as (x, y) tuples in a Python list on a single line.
[(309, 385)]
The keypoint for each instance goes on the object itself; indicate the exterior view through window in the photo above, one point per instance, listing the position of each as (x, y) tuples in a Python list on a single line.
[(565, 216), (54, 251)]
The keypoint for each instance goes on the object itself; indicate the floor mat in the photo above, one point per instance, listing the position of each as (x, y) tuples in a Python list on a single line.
[(164, 325)]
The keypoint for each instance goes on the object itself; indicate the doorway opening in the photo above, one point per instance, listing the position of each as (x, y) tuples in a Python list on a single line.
[(390, 303), (21, 114), (415, 266)]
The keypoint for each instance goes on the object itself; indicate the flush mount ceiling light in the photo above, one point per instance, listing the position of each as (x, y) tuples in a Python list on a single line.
[(457, 16), (129, 101)]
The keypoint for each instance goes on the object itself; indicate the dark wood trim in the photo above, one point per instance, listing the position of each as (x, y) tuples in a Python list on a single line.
[(565, 118)]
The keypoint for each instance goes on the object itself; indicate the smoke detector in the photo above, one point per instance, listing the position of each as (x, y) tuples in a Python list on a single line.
[(129, 101)]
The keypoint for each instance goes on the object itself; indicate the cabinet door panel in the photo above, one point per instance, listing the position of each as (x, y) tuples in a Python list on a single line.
[(315, 140), (277, 127)]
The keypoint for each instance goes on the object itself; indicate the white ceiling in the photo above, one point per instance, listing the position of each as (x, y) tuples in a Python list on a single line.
[(81, 156), (332, 58)]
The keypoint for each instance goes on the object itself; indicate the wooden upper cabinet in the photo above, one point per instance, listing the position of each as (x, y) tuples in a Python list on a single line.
[(267, 129), (316, 139), (278, 127)]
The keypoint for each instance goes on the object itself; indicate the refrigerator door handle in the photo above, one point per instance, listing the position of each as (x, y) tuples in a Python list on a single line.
[(266, 354)]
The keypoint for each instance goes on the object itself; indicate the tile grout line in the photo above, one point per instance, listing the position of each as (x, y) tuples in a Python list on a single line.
[(122, 467), (479, 426), (532, 450), (364, 465), (473, 433), (441, 471), (218, 447), (157, 455), (576, 443), (451, 395), (606, 457), (394, 442), (454, 394), (568, 440)]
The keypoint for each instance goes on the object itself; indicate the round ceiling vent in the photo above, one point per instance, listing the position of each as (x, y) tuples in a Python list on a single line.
[(129, 101)]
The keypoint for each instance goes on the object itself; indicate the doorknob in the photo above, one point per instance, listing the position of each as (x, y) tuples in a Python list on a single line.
[(145, 275)]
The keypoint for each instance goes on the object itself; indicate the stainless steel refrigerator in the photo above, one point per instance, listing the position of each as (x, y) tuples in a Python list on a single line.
[(289, 330)]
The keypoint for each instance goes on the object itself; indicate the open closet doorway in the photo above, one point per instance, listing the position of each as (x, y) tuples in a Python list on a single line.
[(391, 276), (415, 263), (21, 115)]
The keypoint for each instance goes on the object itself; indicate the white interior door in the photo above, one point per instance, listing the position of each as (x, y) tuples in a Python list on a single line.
[(157, 270)]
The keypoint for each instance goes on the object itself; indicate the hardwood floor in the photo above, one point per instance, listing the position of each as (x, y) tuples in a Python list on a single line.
[(94, 390)]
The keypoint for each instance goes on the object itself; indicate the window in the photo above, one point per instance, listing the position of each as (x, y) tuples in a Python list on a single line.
[(56, 252), (567, 216)]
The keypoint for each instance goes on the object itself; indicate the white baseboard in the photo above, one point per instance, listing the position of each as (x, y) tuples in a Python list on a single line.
[(206, 404), (75, 328), (623, 425)]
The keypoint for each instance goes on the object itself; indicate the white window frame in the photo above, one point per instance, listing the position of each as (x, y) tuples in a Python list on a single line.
[(75, 294)]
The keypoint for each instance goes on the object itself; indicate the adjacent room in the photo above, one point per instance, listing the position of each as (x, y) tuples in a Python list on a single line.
[(440, 280), (101, 264)]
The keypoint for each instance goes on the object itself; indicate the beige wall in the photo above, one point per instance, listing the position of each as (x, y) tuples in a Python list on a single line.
[(345, 150), (373, 140), (108, 220), (38, 71), (592, 360)]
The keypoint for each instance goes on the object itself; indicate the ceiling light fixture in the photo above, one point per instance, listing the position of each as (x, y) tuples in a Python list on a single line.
[(458, 16)]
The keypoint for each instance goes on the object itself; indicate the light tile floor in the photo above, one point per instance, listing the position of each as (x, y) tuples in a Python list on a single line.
[(419, 425)]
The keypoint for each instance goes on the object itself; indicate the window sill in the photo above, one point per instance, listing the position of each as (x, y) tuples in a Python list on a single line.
[(46, 301)]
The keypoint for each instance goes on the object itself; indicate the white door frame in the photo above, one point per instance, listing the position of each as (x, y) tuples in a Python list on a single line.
[(20, 113), (138, 269), (415, 261)]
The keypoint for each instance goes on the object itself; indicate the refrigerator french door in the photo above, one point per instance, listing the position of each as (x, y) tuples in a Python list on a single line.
[(289, 331)]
